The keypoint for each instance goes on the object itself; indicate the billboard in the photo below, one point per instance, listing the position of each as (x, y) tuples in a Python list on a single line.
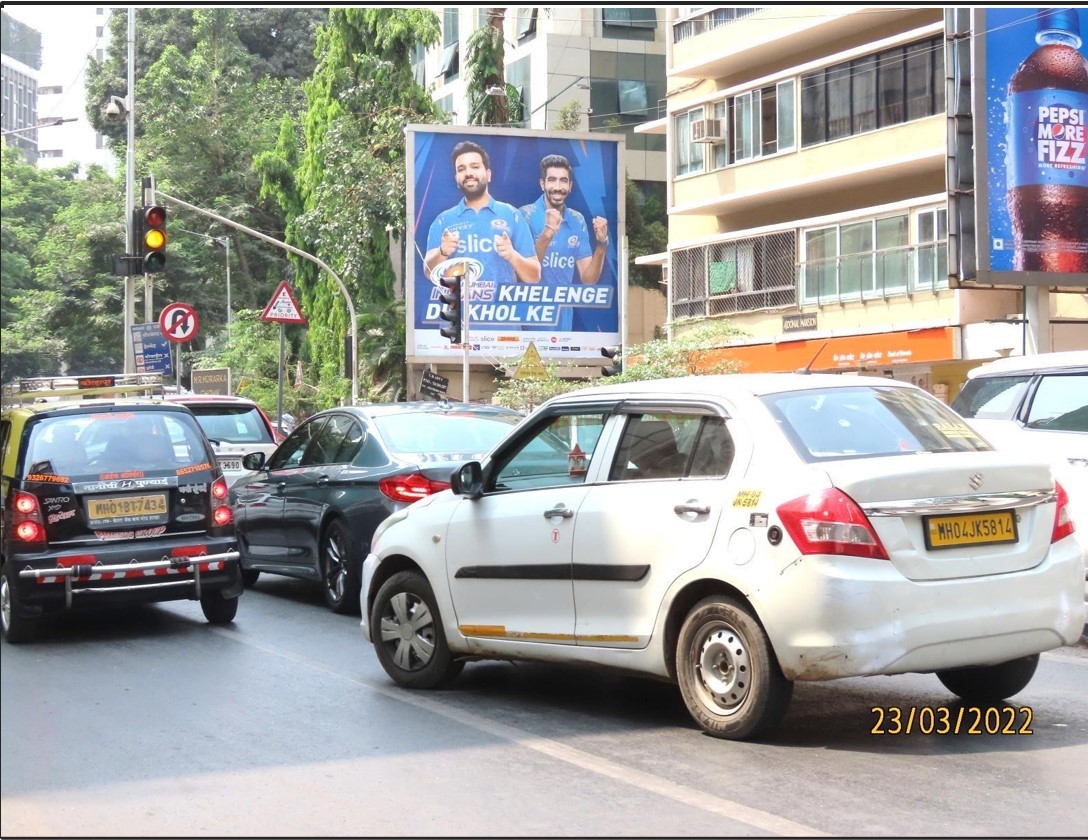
[(533, 221), (1030, 104)]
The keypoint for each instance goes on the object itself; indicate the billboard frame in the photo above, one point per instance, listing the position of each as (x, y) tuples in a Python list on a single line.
[(581, 351)]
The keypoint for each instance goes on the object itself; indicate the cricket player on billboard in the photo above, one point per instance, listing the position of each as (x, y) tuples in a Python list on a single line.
[(537, 217)]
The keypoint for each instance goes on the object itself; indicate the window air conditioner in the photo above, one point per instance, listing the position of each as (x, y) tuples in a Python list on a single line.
[(707, 131)]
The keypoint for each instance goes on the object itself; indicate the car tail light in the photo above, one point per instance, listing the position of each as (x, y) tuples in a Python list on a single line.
[(1063, 520), (222, 514), (410, 488), (830, 522), (26, 518)]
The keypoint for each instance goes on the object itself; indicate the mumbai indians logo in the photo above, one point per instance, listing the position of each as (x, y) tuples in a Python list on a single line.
[(466, 268)]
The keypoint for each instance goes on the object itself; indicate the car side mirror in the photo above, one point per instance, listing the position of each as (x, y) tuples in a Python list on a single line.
[(468, 480), (253, 461)]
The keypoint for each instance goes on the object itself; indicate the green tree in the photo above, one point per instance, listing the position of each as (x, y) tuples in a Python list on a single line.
[(487, 71), (342, 187)]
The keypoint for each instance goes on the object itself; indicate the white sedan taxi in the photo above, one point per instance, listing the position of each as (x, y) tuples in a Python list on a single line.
[(734, 534)]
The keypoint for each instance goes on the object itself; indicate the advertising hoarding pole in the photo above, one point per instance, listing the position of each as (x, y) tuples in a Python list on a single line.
[(465, 344)]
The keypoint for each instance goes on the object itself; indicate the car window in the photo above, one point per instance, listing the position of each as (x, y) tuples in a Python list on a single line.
[(290, 452), (452, 436), (1060, 403), (334, 443), (557, 453), (672, 445), (991, 397), (232, 423), (114, 442), (869, 422)]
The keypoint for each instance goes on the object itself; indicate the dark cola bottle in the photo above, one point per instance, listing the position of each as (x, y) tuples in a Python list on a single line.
[(1047, 142)]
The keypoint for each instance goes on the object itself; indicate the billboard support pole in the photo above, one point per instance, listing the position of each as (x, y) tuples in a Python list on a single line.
[(465, 343)]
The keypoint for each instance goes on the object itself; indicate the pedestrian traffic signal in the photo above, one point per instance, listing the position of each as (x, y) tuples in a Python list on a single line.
[(450, 295), (151, 238), (615, 353)]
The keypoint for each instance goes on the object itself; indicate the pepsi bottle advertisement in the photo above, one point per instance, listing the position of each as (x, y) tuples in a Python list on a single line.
[(1036, 79), (531, 223)]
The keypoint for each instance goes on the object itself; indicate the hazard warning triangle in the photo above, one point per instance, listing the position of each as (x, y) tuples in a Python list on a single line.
[(283, 307)]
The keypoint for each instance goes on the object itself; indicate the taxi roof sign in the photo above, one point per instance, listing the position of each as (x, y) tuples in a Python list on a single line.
[(283, 307)]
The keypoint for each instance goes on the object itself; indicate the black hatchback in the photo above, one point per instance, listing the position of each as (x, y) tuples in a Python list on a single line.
[(310, 510)]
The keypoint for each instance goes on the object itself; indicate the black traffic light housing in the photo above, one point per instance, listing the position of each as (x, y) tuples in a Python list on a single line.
[(151, 237), (450, 295), (615, 353)]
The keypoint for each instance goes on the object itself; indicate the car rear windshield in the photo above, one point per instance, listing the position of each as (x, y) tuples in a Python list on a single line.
[(870, 421), (991, 397), (233, 423), (114, 441), (432, 433)]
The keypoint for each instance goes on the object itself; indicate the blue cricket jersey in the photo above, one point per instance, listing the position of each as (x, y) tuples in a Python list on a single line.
[(478, 229), (572, 242)]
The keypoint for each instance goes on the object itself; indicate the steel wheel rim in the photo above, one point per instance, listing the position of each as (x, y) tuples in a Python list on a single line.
[(5, 603), (335, 572), (407, 631), (722, 669)]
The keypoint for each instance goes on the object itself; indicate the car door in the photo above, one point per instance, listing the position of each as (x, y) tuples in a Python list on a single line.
[(309, 490), (508, 553), (651, 521), (259, 509)]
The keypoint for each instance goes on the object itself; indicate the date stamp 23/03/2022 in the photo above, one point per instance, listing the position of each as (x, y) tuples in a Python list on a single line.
[(957, 720)]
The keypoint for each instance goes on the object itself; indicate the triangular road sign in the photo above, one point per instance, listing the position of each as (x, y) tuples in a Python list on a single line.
[(531, 366), (283, 307)]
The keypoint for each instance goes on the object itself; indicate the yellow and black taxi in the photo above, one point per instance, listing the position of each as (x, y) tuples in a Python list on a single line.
[(109, 497)]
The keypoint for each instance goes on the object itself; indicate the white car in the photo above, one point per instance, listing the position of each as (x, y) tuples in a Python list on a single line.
[(1037, 404), (734, 534), (235, 426)]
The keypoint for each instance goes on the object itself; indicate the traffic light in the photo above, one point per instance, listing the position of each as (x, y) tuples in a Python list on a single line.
[(151, 238), (450, 295), (615, 353)]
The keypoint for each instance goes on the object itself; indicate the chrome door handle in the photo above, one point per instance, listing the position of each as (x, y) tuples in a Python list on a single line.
[(559, 510), (692, 507), (322, 480)]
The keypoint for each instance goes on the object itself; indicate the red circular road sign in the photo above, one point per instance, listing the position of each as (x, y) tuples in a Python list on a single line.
[(178, 322)]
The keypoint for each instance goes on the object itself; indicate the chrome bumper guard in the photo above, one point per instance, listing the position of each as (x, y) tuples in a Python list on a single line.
[(171, 564)]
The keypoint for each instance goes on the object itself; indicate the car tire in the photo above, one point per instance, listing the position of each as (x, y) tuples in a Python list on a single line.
[(249, 577), (339, 569), (728, 673), (217, 609), (16, 628), (990, 683), (406, 627)]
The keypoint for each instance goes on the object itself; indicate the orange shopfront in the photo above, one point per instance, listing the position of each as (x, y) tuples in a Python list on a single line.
[(907, 354)]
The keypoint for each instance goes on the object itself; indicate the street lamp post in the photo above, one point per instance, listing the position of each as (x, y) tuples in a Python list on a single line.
[(48, 122)]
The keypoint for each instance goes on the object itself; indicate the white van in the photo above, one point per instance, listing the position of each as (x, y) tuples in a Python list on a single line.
[(1037, 404)]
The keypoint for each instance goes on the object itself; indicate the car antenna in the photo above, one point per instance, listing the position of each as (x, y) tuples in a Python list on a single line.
[(808, 368)]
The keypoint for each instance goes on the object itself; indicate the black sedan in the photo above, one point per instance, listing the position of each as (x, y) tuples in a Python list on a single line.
[(310, 509)]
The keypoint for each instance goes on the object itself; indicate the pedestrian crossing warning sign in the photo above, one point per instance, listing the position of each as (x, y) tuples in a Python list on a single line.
[(283, 307), (531, 366)]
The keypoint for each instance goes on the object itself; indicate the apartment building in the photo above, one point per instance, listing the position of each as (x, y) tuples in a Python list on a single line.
[(807, 150), (20, 63)]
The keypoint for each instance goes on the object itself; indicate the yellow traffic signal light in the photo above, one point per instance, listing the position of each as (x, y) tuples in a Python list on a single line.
[(152, 238)]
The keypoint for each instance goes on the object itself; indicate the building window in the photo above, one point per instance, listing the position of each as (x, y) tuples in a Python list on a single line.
[(637, 18), (874, 258), (50, 153), (99, 31), (633, 98), (762, 122), (526, 22), (877, 91), (450, 66), (50, 90), (689, 155), (695, 22)]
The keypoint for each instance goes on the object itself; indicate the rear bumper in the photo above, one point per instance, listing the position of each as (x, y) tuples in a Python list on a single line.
[(845, 617), (127, 573)]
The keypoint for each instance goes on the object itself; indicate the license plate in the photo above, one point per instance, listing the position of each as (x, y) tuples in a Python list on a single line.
[(125, 509), (991, 528), (230, 463)]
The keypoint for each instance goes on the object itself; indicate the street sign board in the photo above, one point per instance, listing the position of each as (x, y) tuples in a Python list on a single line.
[(283, 307), (151, 349), (531, 366), (178, 322), (434, 384), (210, 381)]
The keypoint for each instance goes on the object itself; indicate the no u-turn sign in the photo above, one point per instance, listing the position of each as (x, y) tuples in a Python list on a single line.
[(178, 322)]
